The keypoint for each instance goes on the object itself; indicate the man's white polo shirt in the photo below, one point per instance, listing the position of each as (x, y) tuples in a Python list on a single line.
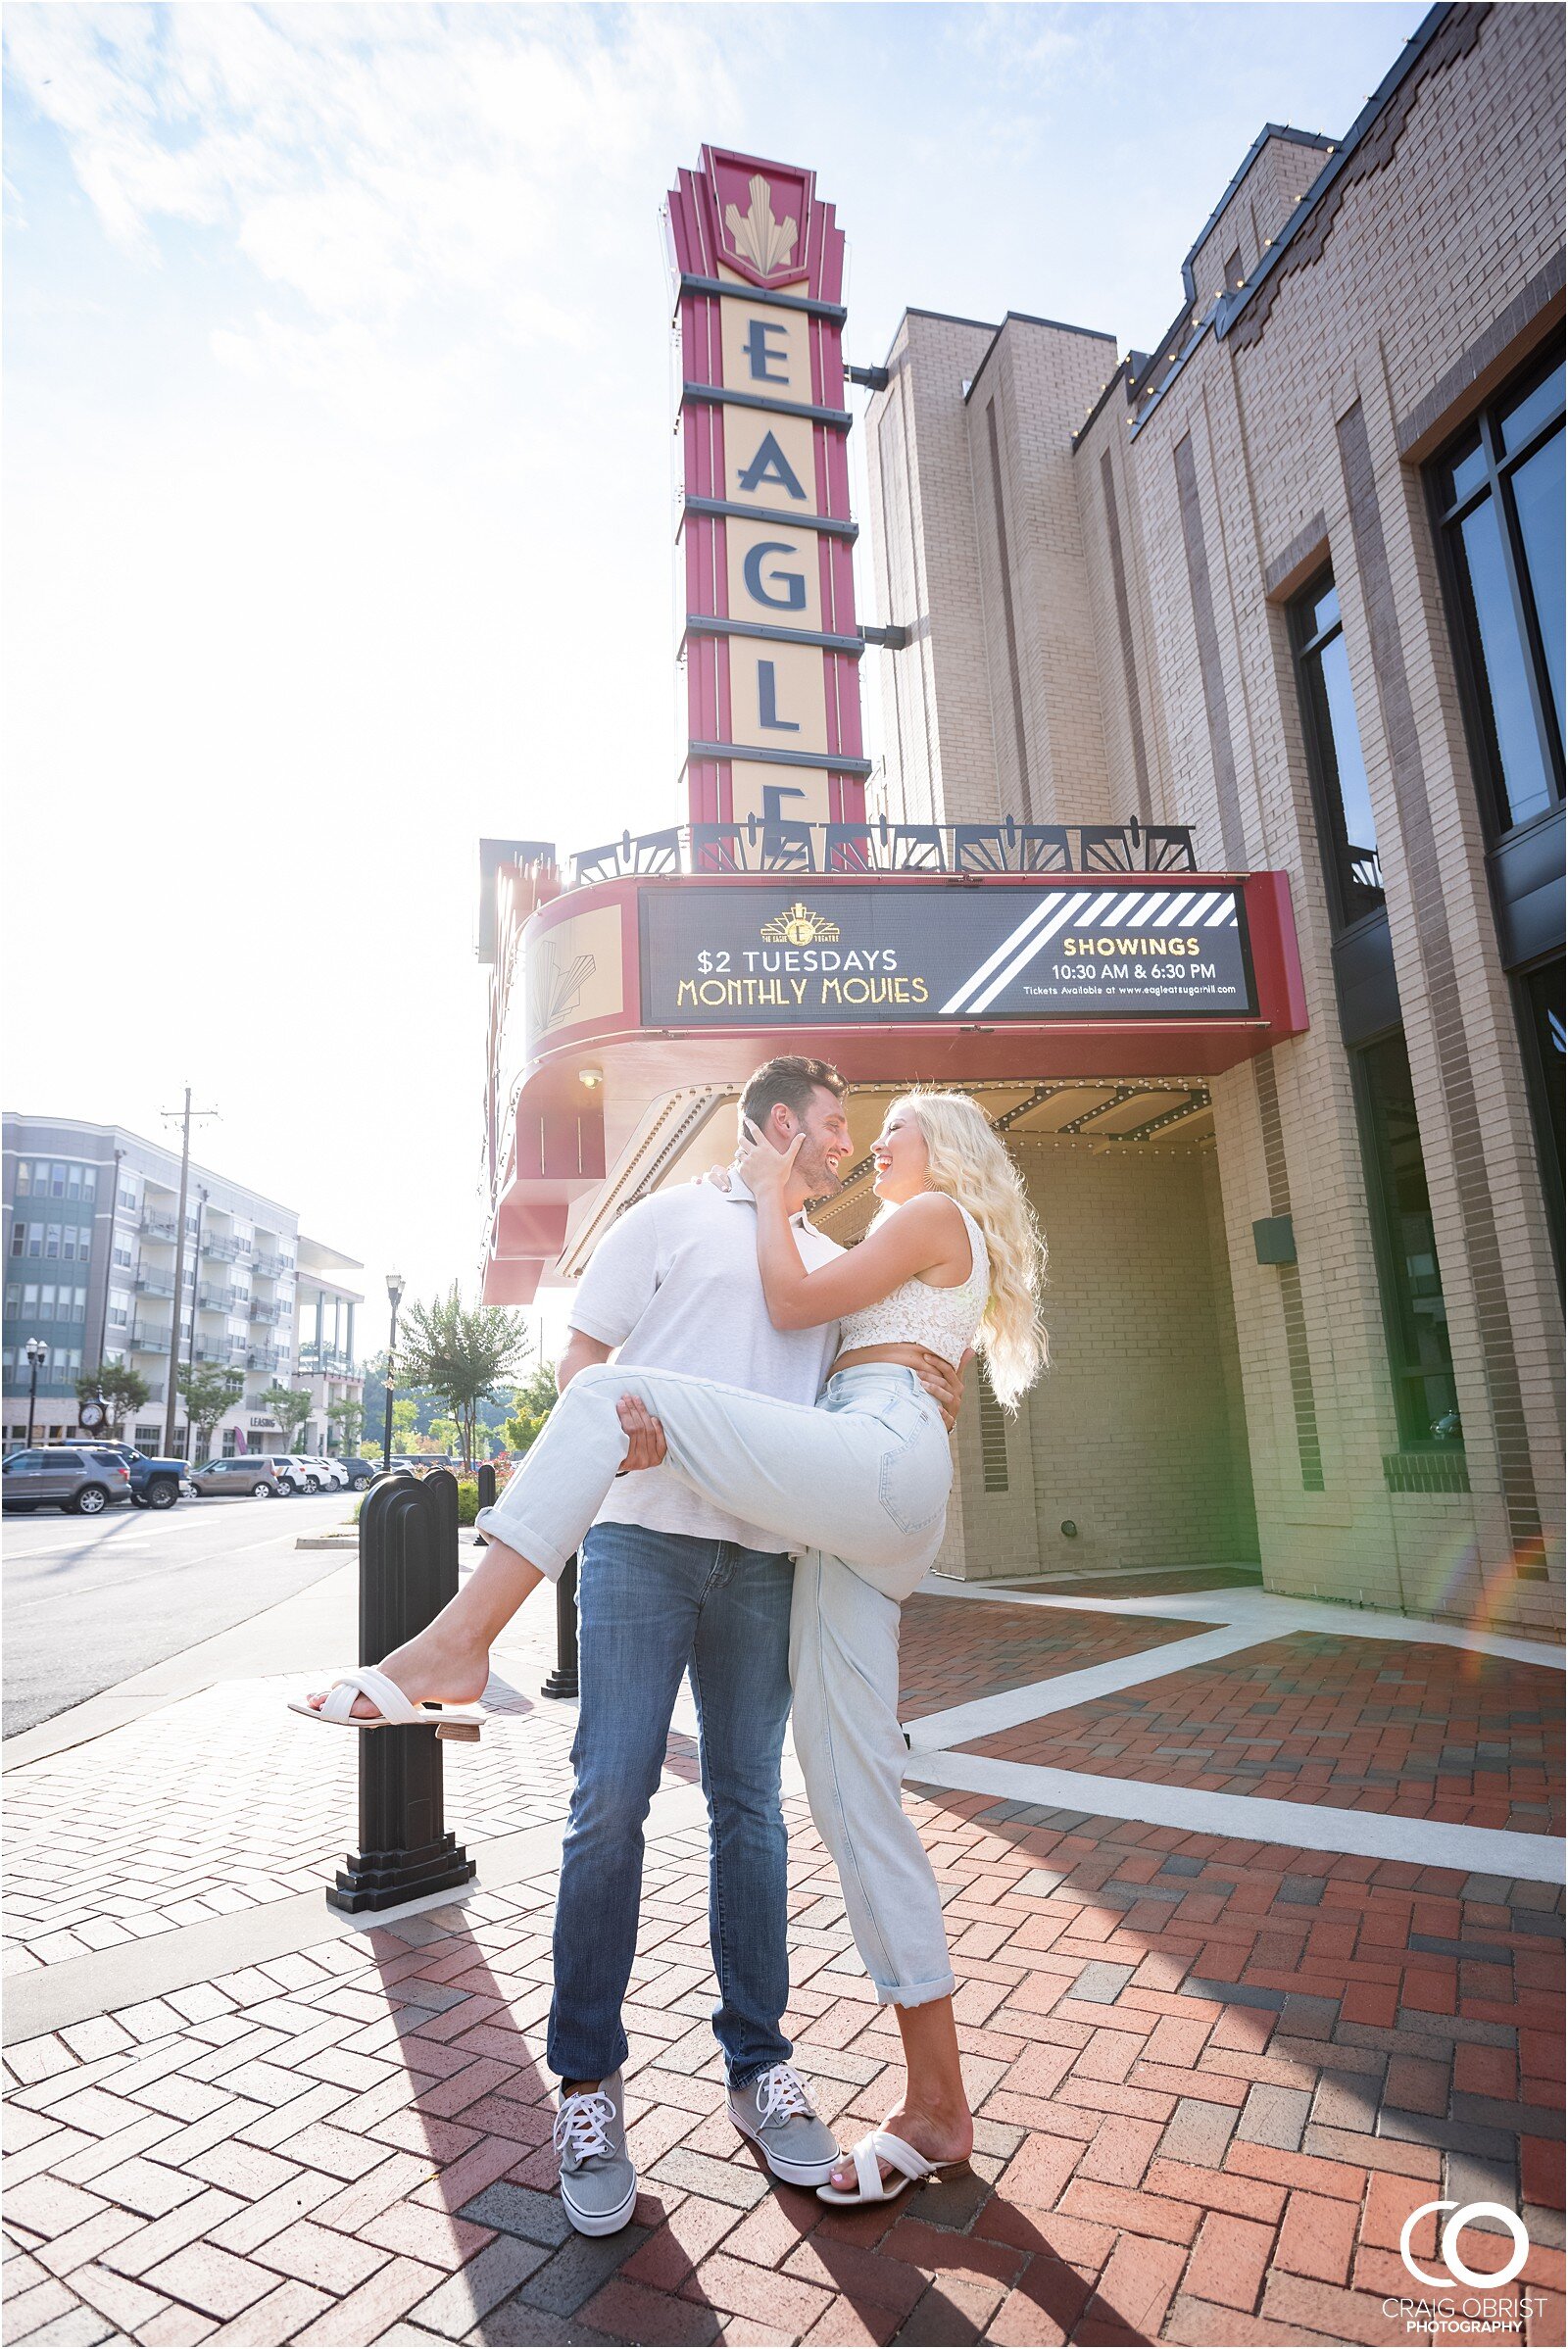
[(673, 1284)]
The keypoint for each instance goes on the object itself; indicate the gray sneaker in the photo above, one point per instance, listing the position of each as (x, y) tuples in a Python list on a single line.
[(775, 2110), (598, 2183)]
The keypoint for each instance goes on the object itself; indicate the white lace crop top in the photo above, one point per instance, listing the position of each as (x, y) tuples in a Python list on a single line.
[(917, 1314)]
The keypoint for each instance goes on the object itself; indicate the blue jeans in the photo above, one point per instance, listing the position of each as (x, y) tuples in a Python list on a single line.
[(651, 1607)]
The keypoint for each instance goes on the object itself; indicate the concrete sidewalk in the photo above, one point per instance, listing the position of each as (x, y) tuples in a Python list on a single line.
[(1215, 2071)]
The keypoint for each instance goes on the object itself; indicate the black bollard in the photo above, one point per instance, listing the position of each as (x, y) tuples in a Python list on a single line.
[(408, 1571), (487, 1496), (563, 1682)]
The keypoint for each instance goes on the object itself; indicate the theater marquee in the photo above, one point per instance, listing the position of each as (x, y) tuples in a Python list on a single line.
[(931, 955)]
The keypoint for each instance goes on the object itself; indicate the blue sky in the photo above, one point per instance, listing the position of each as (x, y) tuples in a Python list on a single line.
[(338, 476)]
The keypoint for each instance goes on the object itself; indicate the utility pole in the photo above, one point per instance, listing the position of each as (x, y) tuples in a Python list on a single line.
[(195, 1290), (184, 1115)]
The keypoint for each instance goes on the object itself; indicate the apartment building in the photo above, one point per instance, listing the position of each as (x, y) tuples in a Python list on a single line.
[(325, 1312), (91, 1223)]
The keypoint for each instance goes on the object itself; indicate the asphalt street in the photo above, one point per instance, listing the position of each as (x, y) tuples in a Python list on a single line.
[(90, 1601)]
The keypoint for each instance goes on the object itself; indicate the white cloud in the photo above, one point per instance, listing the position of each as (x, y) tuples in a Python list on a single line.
[(394, 175)]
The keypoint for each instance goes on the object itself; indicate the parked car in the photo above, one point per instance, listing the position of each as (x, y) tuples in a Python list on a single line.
[(261, 1474), (65, 1476), (313, 1473), (329, 1474), (361, 1473), (155, 1484)]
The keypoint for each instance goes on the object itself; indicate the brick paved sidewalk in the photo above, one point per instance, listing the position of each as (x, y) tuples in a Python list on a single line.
[(1214, 2078)]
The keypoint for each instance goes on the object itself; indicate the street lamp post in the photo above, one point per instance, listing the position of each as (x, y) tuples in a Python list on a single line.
[(394, 1290), (38, 1356)]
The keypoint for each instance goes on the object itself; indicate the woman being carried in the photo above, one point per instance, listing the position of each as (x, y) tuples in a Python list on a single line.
[(857, 1485)]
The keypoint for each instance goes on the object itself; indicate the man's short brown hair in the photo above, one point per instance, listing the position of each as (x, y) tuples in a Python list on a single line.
[(791, 1079)]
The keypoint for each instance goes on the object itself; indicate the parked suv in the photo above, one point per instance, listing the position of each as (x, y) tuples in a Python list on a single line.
[(260, 1473), (155, 1484), (314, 1476), (65, 1476), (329, 1474), (361, 1473)]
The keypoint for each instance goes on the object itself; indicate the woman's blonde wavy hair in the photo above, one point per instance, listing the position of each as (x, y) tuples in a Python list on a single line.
[(971, 1164)]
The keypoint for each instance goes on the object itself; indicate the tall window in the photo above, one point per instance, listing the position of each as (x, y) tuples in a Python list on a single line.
[(1413, 1306), (1499, 498), (1348, 834), (1541, 1011)]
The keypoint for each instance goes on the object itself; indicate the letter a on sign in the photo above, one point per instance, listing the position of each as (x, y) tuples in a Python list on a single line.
[(772, 464)]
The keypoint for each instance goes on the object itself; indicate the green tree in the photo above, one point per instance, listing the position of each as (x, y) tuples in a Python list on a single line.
[(404, 1419), (375, 1423), (290, 1406), (348, 1422), (444, 1435), (122, 1389), (531, 1406), (460, 1353), (209, 1392)]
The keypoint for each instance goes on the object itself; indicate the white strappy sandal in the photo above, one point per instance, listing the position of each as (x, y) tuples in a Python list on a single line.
[(393, 1709), (911, 2168)]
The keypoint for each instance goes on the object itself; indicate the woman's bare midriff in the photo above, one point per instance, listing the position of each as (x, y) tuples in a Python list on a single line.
[(913, 1357)]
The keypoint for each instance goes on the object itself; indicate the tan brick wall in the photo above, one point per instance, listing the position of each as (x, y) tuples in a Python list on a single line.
[(935, 699), (1378, 321), (1280, 174), (1133, 1433)]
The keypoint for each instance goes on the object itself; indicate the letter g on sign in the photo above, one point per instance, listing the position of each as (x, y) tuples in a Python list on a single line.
[(1454, 2227), (793, 583)]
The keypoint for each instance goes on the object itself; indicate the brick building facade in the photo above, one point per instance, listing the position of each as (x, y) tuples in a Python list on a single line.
[(1293, 580)]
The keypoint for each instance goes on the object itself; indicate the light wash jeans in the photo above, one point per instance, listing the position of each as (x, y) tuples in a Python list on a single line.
[(857, 1483)]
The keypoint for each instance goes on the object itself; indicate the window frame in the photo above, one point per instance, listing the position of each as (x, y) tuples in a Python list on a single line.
[(1446, 519), (1322, 756), (1544, 1084), (1386, 1250)]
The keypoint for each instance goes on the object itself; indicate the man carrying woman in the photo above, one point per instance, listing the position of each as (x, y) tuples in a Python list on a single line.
[(786, 1508)]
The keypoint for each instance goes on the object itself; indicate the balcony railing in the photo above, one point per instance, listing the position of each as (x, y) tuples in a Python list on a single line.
[(147, 1338), (331, 1359), (261, 1308), (220, 1249), (271, 1265), (880, 845), (267, 1357), (154, 1284), (161, 1227), (221, 1300)]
